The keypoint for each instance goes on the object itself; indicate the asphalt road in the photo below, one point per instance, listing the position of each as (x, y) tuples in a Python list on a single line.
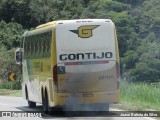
[(18, 104)]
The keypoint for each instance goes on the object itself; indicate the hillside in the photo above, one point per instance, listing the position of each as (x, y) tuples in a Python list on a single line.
[(137, 23)]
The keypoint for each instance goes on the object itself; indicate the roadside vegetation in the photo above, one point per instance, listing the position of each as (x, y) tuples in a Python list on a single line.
[(8, 92), (8, 88), (139, 96), (15, 85)]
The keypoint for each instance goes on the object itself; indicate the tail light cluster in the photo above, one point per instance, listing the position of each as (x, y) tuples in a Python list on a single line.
[(55, 77)]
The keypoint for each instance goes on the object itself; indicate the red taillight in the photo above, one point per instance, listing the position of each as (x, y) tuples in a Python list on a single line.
[(55, 78), (55, 73)]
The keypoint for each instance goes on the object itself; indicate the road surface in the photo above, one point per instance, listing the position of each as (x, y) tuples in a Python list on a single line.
[(18, 104)]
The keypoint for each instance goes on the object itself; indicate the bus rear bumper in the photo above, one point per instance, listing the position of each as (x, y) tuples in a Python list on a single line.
[(86, 98)]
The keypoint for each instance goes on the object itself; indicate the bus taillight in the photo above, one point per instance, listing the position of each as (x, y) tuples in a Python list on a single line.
[(55, 78)]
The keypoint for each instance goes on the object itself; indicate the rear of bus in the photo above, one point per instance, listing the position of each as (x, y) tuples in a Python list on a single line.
[(87, 62)]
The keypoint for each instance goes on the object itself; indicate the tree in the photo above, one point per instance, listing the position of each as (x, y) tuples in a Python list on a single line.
[(145, 65), (118, 13), (147, 69), (137, 25), (10, 34)]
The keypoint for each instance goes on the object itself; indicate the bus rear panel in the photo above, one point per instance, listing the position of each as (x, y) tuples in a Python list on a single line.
[(87, 62)]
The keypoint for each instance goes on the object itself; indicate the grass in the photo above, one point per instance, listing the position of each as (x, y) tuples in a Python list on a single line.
[(140, 96), (8, 88), (8, 92), (16, 85)]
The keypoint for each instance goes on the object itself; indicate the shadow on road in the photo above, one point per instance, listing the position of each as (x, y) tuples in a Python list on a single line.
[(64, 114)]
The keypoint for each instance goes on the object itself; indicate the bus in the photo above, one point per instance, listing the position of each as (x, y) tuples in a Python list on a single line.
[(71, 64)]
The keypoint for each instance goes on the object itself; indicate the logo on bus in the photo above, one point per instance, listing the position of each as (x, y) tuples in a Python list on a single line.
[(85, 31), (85, 56)]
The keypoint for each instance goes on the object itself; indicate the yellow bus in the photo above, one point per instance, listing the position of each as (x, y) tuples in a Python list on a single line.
[(71, 64)]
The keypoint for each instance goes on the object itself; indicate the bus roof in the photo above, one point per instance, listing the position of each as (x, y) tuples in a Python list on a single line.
[(76, 20), (48, 26)]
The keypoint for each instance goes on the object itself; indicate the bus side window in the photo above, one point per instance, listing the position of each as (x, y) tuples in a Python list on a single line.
[(42, 45), (26, 47), (33, 47), (49, 43)]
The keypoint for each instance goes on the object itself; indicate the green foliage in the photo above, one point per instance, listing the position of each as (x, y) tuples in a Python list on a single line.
[(142, 96), (16, 85), (31, 13), (7, 64), (116, 11), (9, 92), (142, 64), (10, 37), (10, 34), (137, 23), (16, 10), (147, 68), (130, 59), (132, 2)]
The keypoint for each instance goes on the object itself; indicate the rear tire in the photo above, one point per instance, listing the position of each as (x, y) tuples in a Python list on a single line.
[(31, 104), (45, 103), (103, 107)]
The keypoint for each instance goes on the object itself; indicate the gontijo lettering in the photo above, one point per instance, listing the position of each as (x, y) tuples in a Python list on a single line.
[(81, 56)]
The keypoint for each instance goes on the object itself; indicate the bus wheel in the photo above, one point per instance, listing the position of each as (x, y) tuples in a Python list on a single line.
[(103, 107), (45, 103), (31, 104)]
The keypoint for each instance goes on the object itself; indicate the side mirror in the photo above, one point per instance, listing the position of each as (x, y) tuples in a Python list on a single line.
[(18, 56)]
